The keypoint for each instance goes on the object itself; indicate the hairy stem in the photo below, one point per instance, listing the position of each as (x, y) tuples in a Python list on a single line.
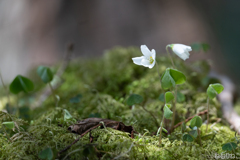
[(155, 119), (199, 135), (55, 98), (7, 134), (174, 108), (160, 135), (207, 114), (170, 56), (5, 87)]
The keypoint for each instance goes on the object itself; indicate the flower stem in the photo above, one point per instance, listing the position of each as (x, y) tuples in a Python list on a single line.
[(56, 101), (170, 56), (207, 114), (199, 135), (5, 87), (160, 135), (158, 72), (174, 108), (6, 134)]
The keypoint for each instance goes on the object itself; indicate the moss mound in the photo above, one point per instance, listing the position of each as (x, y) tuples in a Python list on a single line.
[(102, 85)]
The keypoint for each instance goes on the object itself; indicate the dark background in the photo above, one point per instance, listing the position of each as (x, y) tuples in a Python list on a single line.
[(36, 32)]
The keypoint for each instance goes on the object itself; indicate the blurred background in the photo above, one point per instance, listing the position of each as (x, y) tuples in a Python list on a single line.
[(36, 32)]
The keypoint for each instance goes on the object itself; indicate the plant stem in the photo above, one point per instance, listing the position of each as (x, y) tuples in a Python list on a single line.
[(6, 134), (155, 119), (160, 135), (5, 87), (199, 135), (56, 101), (207, 114), (170, 56), (174, 108), (158, 72)]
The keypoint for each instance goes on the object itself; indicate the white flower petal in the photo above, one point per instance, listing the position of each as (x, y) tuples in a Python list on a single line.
[(145, 51), (182, 51), (138, 60), (145, 62), (153, 54)]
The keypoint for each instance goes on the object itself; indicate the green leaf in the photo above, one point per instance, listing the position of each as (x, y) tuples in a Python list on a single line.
[(21, 83), (180, 97), (231, 146), (67, 115), (164, 129), (134, 99), (178, 76), (200, 46), (169, 97), (76, 99), (161, 97), (9, 125), (196, 121), (214, 89), (166, 80), (171, 77), (167, 112), (45, 74), (46, 154), (193, 133), (187, 137)]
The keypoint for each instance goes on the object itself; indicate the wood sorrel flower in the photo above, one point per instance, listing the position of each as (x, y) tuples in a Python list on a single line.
[(148, 58), (181, 50)]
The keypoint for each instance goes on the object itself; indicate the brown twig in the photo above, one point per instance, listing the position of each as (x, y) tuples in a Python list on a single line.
[(199, 114), (69, 146)]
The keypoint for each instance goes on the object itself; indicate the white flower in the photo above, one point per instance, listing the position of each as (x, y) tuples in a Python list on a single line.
[(181, 50), (148, 58)]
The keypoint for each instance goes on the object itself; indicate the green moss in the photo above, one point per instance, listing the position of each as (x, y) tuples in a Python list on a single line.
[(105, 84)]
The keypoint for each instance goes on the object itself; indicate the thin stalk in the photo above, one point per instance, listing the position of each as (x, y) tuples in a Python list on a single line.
[(170, 56), (207, 114), (5, 87), (155, 119), (174, 108), (55, 98), (160, 135), (158, 72), (7, 134), (199, 135)]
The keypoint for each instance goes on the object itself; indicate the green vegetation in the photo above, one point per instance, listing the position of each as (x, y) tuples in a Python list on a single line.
[(112, 87)]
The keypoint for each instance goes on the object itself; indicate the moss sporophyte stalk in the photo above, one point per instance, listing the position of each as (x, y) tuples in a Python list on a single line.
[(87, 91)]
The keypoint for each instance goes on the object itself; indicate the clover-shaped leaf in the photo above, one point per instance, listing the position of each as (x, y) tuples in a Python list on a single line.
[(45, 74), (9, 125), (167, 112), (196, 121), (172, 77), (134, 99), (187, 137), (21, 83), (169, 97), (180, 97), (214, 89), (231, 146), (46, 154), (193, 133)]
